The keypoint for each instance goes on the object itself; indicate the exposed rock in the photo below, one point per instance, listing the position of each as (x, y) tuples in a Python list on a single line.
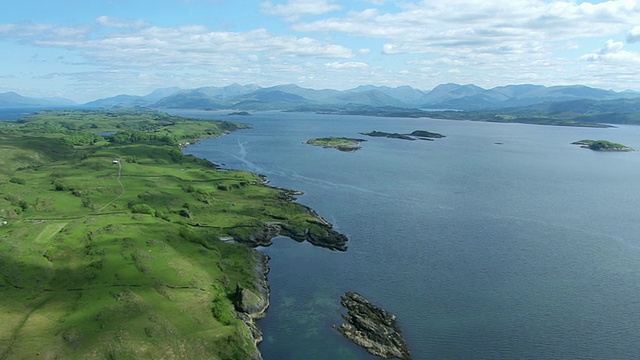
[(322, 235), (373, 328), (252, 304)]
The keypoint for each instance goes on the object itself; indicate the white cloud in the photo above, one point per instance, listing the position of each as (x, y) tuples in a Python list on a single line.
[(121, 23), (634, 35), (613, 52), (294, 9), (390, 49), (346, 65), (24, 31), (511, 26), (171, 48)]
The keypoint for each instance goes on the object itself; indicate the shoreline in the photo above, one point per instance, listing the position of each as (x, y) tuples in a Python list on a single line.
[(252, 304)]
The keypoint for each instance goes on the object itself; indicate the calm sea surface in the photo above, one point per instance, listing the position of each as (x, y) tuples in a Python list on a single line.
[(526, 249)]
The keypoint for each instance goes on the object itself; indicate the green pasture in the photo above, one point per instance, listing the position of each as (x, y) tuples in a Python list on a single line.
[(123, 260)]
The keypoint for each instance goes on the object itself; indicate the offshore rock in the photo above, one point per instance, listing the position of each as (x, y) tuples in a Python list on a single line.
[(373, 328)]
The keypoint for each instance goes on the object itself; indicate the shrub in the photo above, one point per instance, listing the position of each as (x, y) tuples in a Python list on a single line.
[(17, 180), (143, 209)]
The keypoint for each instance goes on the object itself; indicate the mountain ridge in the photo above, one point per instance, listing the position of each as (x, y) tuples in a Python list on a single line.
[(468, 97), (13, 99)]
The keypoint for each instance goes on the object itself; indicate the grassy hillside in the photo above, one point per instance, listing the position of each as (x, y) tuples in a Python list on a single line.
[(110, 246)]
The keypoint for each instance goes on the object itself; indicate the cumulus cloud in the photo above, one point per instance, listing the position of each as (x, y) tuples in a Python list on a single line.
[(525, 26), (294, 9), (634, 35), (170, 47), (612, 51)]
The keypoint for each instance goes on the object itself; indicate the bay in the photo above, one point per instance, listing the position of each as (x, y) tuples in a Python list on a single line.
[(500, 241)]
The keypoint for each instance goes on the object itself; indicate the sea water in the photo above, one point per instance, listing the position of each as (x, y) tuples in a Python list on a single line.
[(500, 241)]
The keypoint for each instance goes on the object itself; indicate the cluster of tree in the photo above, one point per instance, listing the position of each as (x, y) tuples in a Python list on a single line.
[(132, 136)]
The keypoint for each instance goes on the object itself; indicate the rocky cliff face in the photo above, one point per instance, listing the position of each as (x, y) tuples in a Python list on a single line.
[(252, 304)]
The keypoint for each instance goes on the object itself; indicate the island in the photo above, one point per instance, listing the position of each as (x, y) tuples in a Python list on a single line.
[(415, 135), (339, 143), (602, 145), (239, 113), (373, 328), (122, 246)]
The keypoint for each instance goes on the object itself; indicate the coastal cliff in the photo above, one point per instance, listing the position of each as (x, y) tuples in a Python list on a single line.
[(252, 305)]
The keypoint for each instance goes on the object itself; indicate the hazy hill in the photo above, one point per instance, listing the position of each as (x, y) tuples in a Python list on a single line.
[(162, 93), (375, 98), (471, 97), (270, 100), (293, 97), (584, 106), (12, 99), (188, 100), (227, 92), (119, 101)]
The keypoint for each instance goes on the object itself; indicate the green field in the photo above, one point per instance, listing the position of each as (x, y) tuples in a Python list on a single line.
[(111, 246)]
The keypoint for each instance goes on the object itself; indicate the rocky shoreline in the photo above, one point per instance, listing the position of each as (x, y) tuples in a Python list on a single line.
[(252, 305), (323, 236), (373, 328)]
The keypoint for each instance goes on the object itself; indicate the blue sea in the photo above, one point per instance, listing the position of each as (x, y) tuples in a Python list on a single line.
[(500, 241)]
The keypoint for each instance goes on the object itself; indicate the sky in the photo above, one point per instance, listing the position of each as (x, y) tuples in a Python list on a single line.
[(89, 49)]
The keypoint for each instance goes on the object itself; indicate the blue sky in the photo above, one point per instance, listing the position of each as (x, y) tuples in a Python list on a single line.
[(88, 49)]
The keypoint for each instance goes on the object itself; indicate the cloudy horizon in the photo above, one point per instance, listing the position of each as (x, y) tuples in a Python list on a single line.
[(84, 50)]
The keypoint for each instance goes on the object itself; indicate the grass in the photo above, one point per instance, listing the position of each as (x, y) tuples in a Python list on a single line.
[(339, 143), (84, 276), (602, 145)]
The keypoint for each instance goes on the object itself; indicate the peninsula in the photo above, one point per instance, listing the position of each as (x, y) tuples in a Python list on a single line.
[(122, 246), (602, 145), (339, 143), (416, 135)]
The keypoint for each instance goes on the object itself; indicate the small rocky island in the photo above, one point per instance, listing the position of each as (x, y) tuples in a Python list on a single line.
[(416, 135), (602, 145), (373, 328), (339, 143), (239, 113)]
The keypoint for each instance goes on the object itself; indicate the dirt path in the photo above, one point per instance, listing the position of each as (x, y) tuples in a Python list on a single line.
[(16, 331), (121, 186)]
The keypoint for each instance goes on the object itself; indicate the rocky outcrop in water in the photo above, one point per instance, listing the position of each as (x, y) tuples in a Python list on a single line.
[(373, 328)]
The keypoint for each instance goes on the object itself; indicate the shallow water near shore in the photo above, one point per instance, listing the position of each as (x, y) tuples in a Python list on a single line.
[(499, 241)]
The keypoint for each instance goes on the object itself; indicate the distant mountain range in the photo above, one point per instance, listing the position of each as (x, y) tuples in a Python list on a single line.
[(293, 97), (14, 100)]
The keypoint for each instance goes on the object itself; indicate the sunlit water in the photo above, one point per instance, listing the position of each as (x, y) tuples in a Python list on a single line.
[(525, 249)]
